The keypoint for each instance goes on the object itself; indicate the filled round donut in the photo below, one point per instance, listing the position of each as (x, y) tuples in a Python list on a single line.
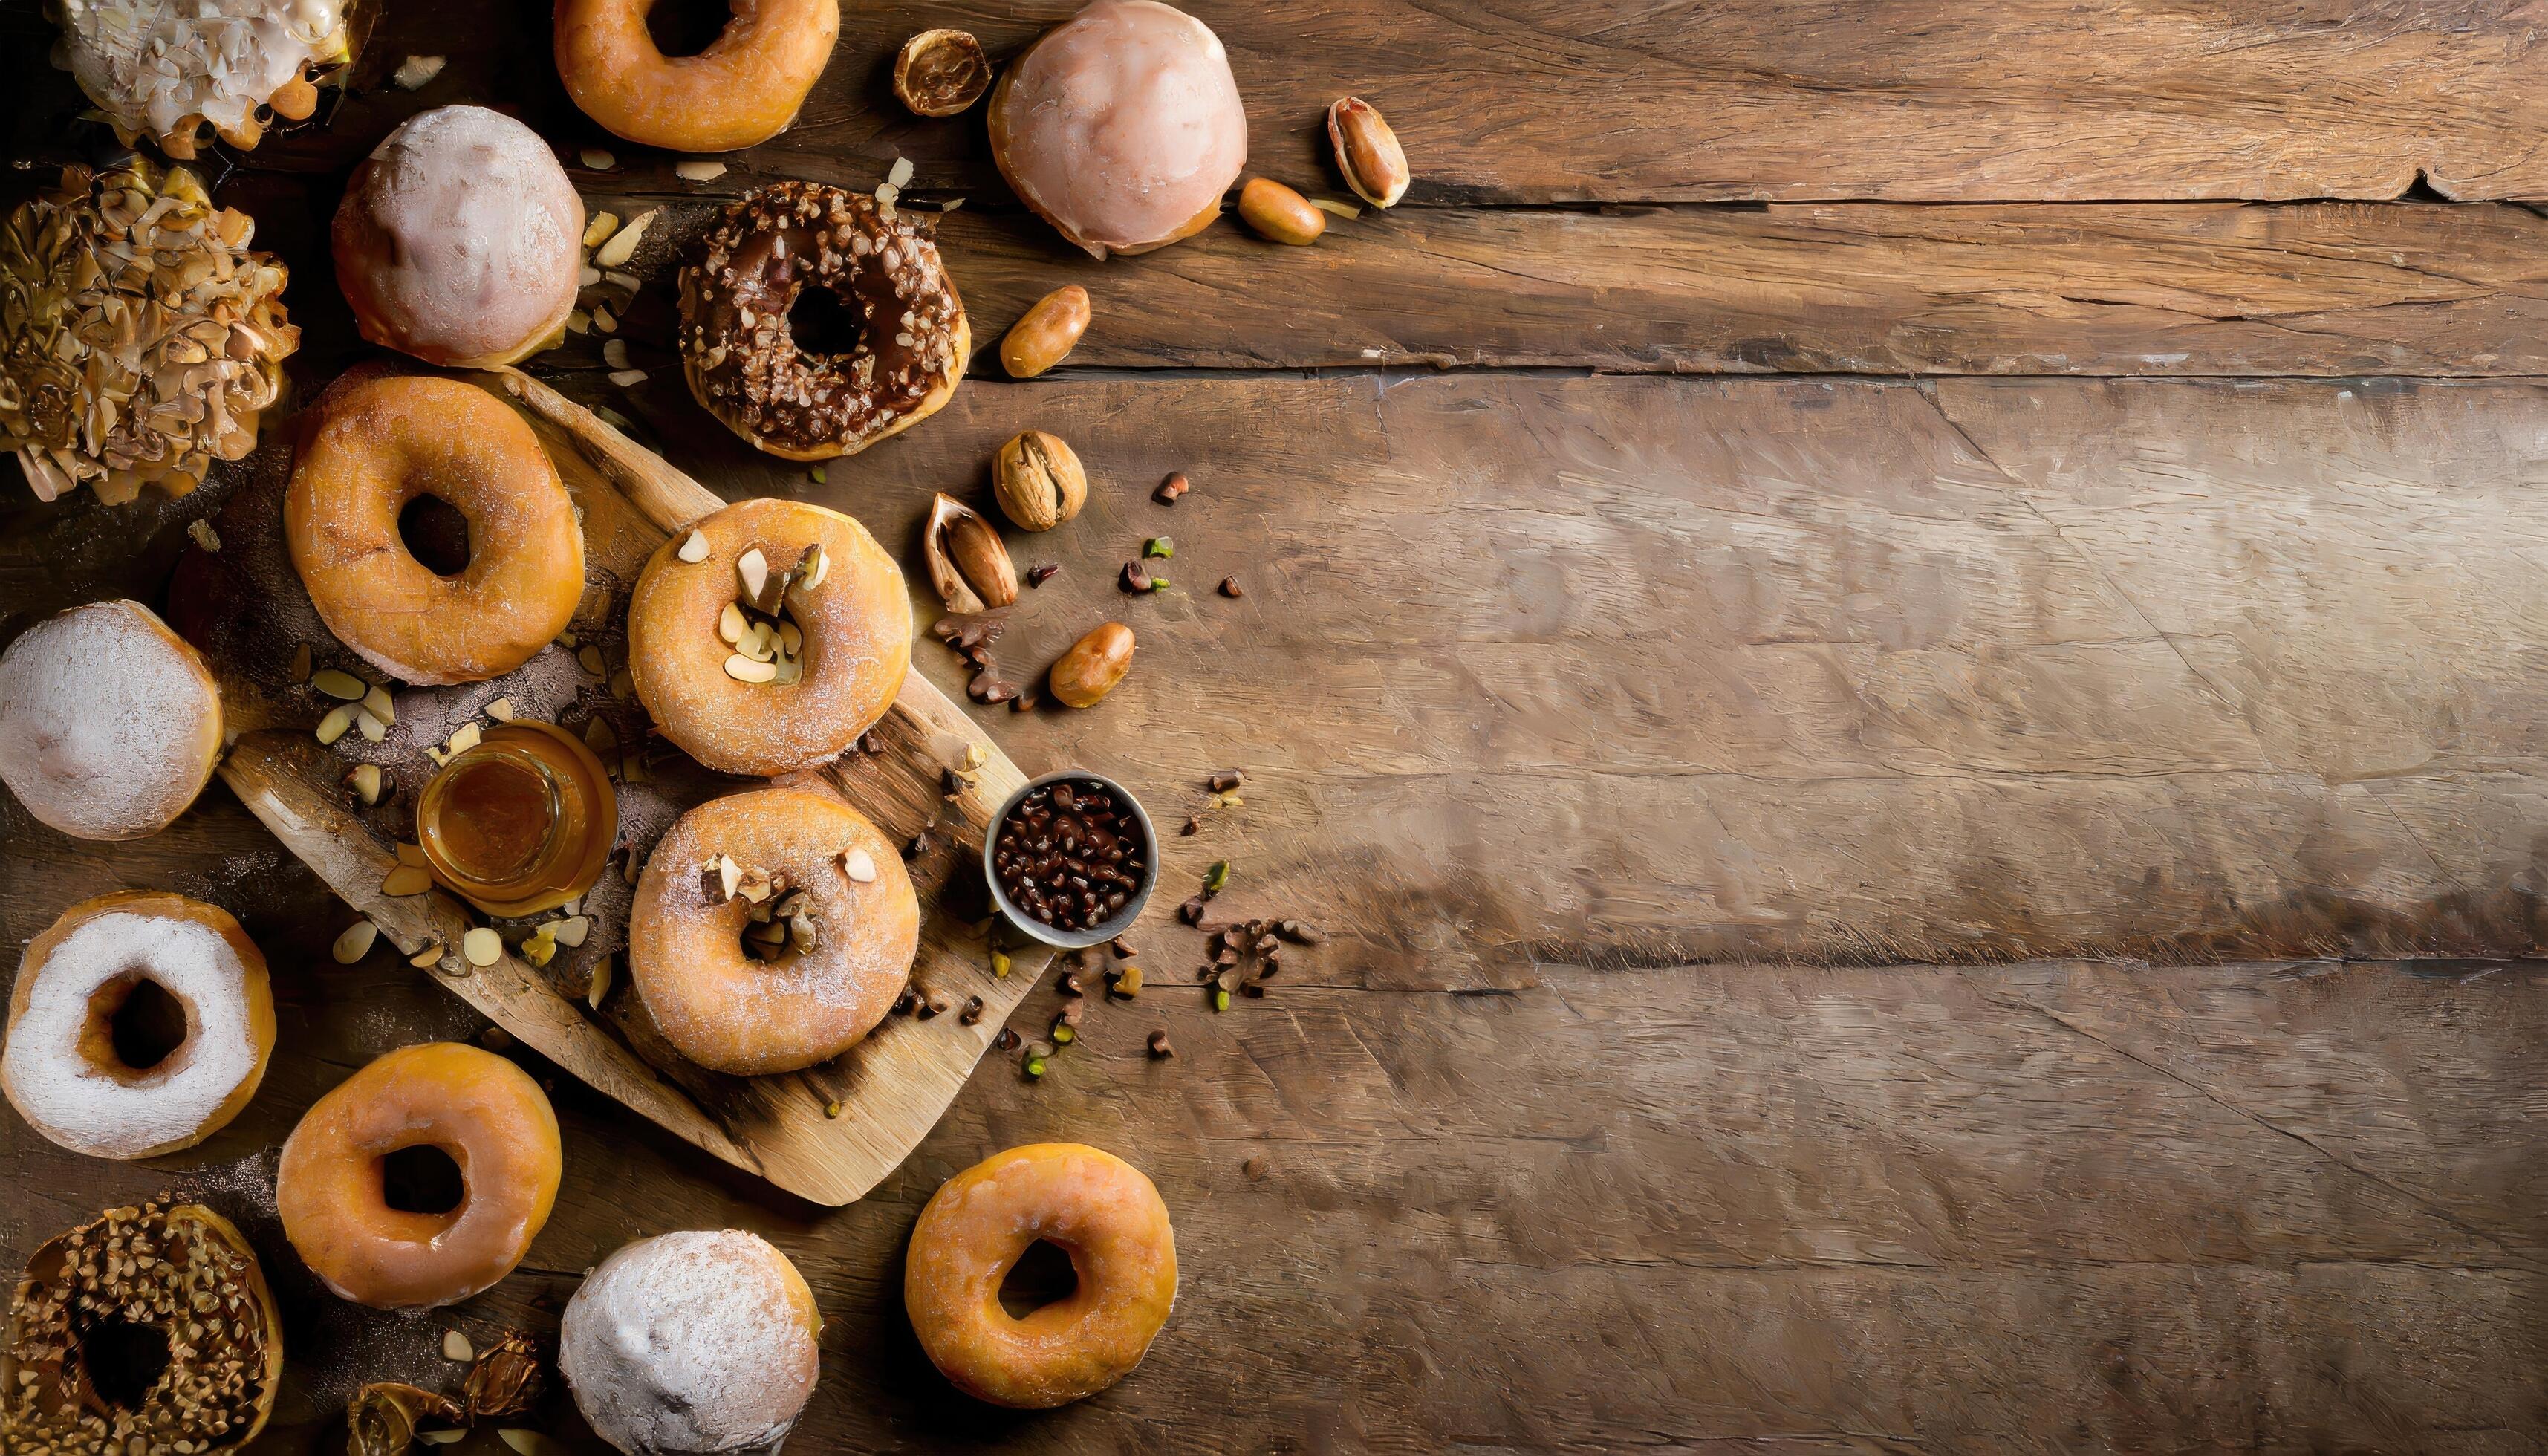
[(459, 240), (63, 1068), (110, 723), (371, 447), (798, 853), (741, 91), (852, 621), (904, 343), (483, 1110), (1096, 1208), (1122, 127), (691, 1343), (183, 1273)]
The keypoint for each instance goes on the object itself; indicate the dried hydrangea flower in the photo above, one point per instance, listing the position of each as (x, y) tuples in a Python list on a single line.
[(139, 338), (162, 70)]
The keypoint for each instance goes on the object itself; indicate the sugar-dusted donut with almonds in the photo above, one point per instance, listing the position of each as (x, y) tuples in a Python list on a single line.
[(691, 1343), (739, 346)]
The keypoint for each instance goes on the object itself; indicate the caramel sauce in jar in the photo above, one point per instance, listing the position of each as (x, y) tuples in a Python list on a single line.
[(521, 823)]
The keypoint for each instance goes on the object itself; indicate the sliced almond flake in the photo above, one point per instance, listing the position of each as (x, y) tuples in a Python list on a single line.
[(426, 955), (600, 984), (950, 205), (695, 171), (900, 176), (1345, 210), (355, 942), (729, 874), (754, 570), (456, 1347), (464, 740), (567, 640), (627, 379), (578, 322), (203, 534), (598, 737), (373, 729), (540, 947), (603, 323), (365, 781), (617, 279), (501, 710), (790, 673), (342, 687), (377, 703), (588, 276), (333, 726), (404, 880), (301, 663), (813, 568), (632, 769), (409, 854), (591, 657), (859, 866), (414, 73), (482, 946), (571, 931), (616, 353), (694, 547), (622, 244), (599, 229), (441, 1437), (598, 160), (744, 669)]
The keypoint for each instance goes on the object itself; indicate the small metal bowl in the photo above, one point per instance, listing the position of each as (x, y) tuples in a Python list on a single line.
[(1106, 930)]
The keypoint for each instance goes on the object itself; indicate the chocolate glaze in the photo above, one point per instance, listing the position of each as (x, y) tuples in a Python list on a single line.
[(741, 355)]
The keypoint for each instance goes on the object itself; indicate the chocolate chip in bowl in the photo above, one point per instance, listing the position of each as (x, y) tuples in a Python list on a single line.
[(1071, 858)]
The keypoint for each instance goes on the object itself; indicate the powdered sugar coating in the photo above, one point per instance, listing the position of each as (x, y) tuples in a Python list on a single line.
[(89, 1111), (458, 242), (691, 1343), (108, 724), (1122, 125), (151, 67)]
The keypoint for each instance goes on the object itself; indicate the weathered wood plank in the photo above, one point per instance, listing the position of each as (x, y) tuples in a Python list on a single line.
[(2089, 1204), (2206, 288), (1671, 100), (1629, 671)]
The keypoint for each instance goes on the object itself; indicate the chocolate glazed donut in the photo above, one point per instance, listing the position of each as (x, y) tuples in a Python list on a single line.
[(739, 349)]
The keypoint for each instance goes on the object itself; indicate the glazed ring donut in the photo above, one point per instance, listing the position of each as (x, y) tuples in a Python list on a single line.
[(739, 347), (1098, 1209), (855, 621), (110, 723), (61, 1069), (190, 1277), (485, 1112), (741, 91), (371, 447), (733, 1013)]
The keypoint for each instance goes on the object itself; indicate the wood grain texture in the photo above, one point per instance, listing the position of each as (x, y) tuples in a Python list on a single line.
[(1538, 101), (2037, 1207), (2315, 289)]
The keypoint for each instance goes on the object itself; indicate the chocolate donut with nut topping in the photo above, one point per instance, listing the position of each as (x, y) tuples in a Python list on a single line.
[(739, 347)]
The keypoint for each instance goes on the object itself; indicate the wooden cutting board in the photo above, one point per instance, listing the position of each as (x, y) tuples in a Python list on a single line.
[(827, 1134)]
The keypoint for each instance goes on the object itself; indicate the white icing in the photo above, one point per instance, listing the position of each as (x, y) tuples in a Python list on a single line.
[(688, 1344), (151, 64), (107, 726), (87, 1111), (1125, 124), (469, 234)]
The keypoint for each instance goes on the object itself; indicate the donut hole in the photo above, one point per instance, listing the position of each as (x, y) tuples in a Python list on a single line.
[(822, 324), (422, 1179), (686, 27), (1042, 1275), (135, 1025), (124, 1361), (436, 534)]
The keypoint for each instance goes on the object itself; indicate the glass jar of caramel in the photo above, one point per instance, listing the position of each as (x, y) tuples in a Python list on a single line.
[(521, 823)]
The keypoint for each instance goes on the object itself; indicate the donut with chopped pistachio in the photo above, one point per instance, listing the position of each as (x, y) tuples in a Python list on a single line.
[(903, 337), (166, 71), (140, 337)]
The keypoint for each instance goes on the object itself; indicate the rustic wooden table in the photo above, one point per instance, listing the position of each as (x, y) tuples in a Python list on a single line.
[(1893, 636)]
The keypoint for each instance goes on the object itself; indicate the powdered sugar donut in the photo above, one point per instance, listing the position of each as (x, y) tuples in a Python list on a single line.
[(692, 1343), (63, 1070), (110, 724), (459, 239), (163, 70), (1122, 127)]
